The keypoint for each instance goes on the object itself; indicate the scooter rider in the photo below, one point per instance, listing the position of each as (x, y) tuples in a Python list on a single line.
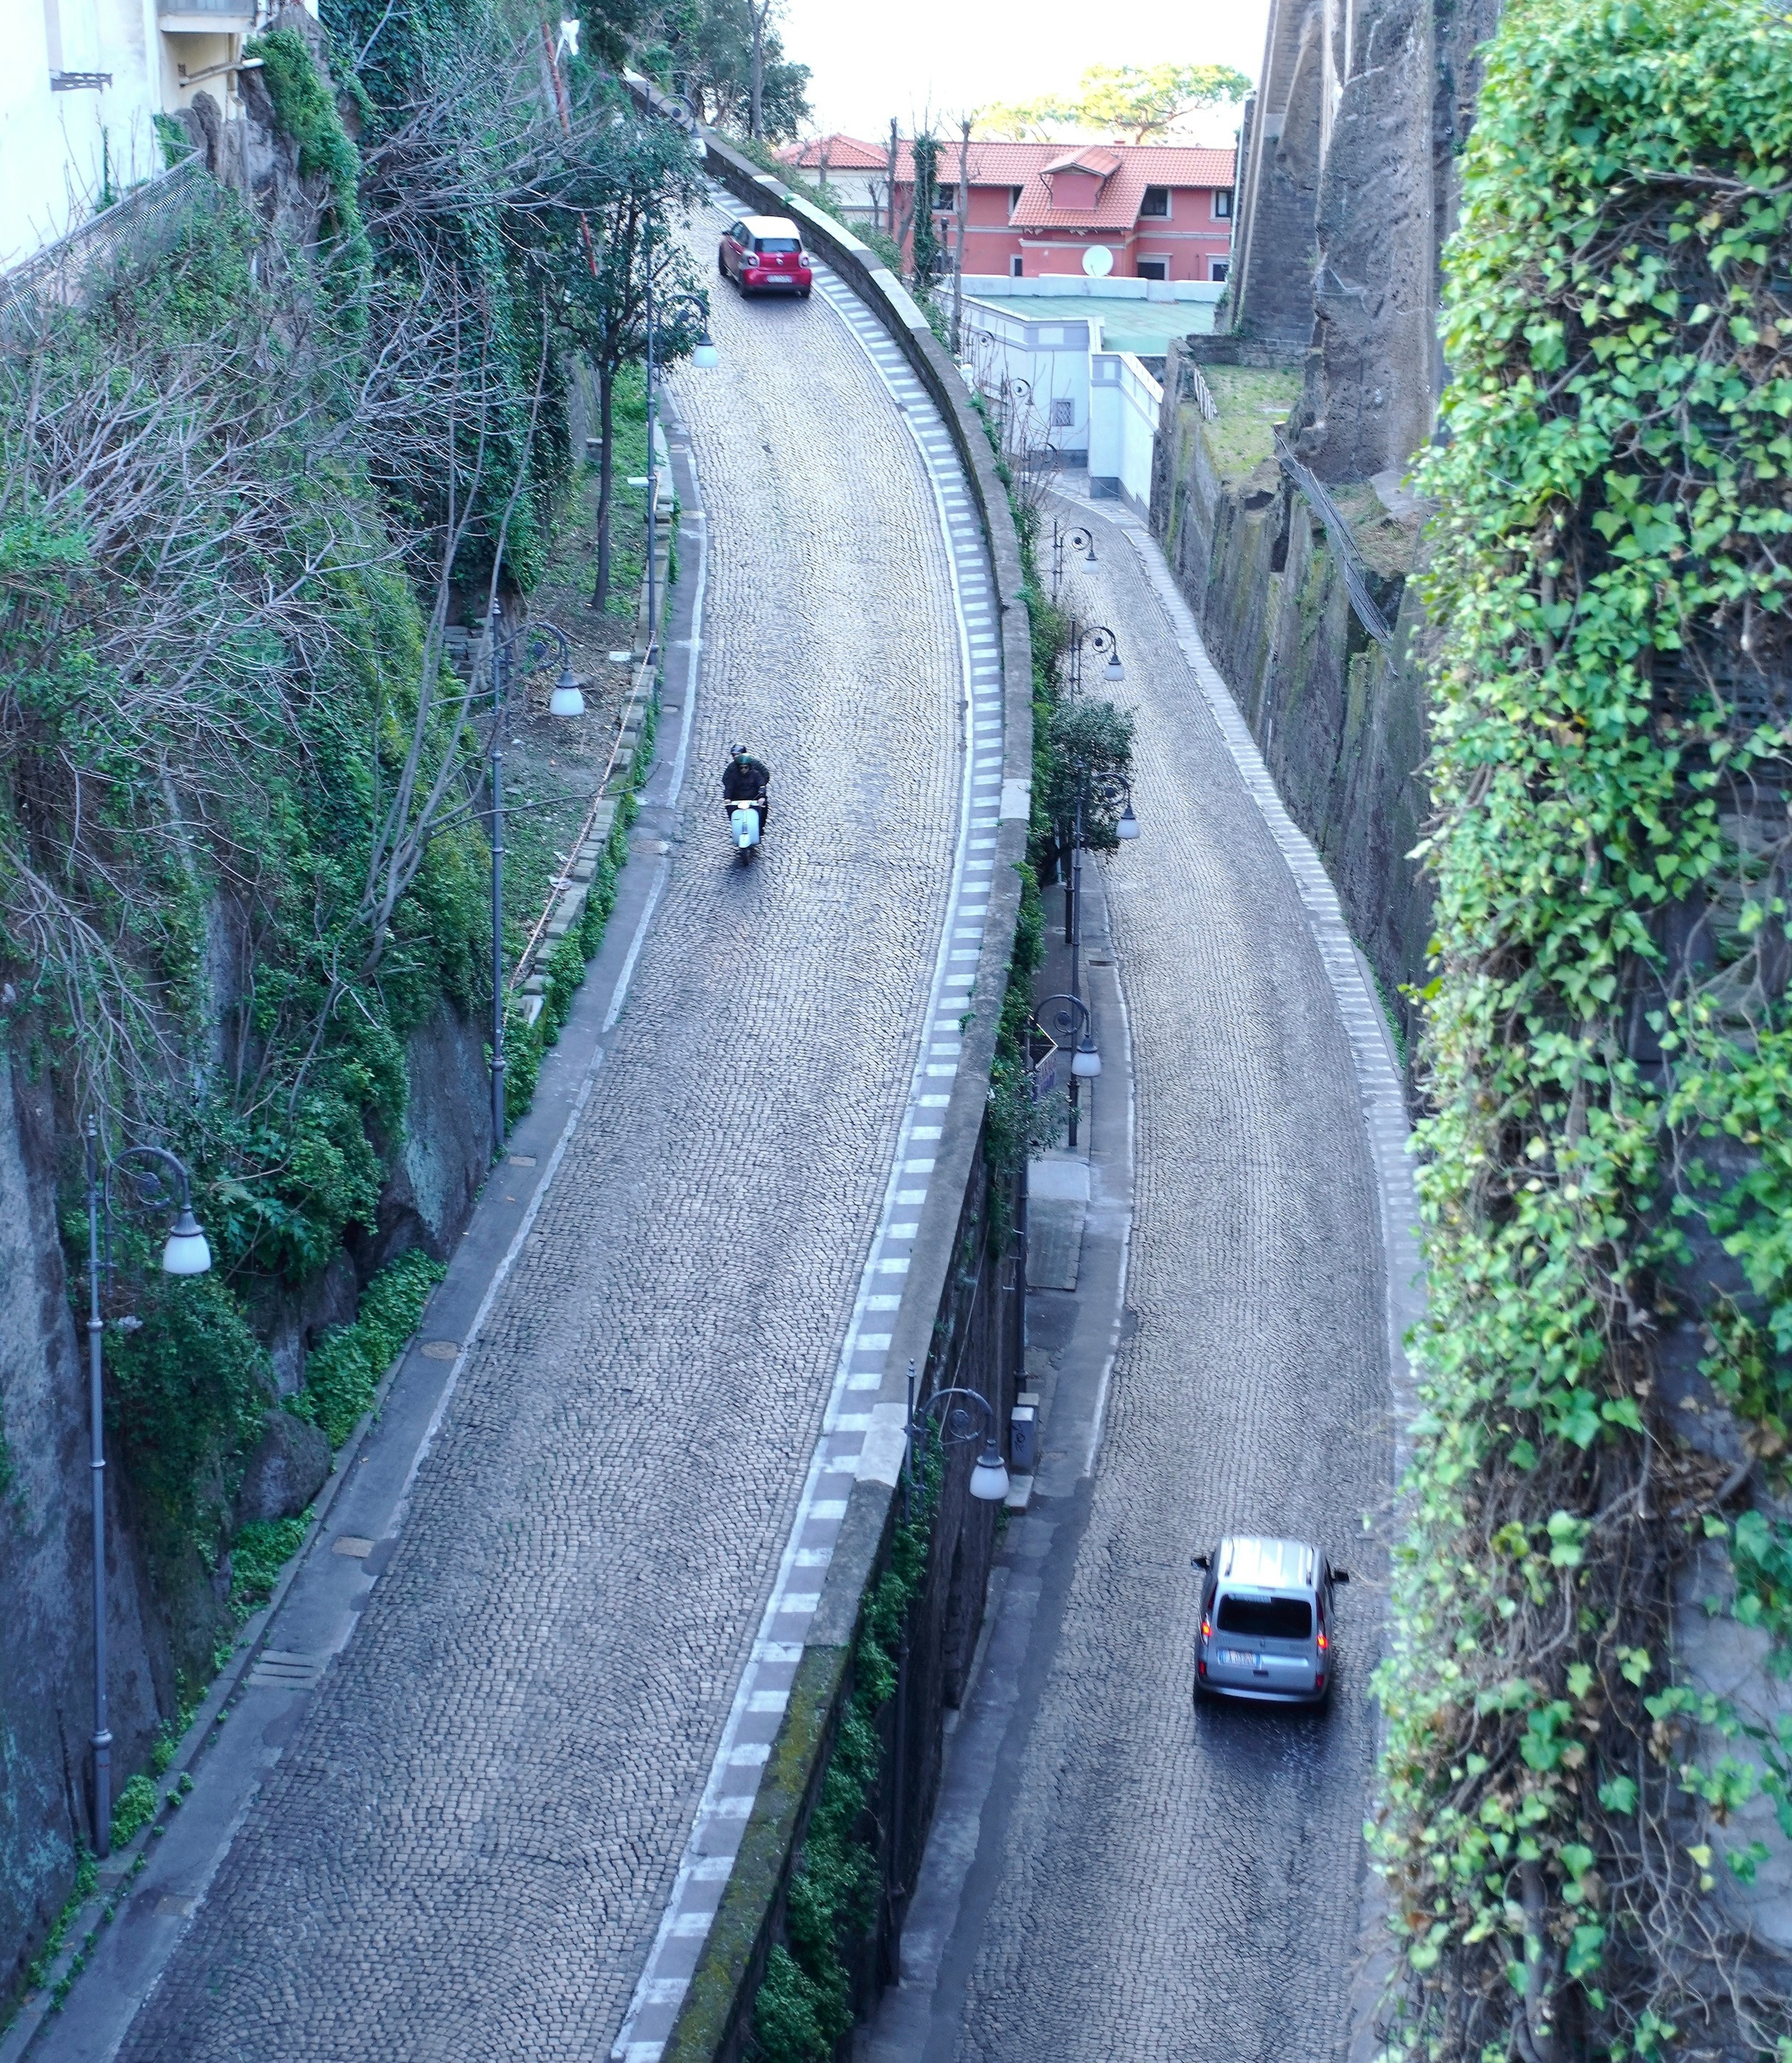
[(746, 780)]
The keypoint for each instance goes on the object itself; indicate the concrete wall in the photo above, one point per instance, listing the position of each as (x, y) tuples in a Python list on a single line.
[(1050, 354), (1124, 404)]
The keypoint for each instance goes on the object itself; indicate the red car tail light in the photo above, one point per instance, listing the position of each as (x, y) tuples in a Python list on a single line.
[(1206, 1629), (1324, 1643)]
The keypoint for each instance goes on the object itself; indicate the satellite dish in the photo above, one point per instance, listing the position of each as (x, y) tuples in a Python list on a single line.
[(1098, 261)]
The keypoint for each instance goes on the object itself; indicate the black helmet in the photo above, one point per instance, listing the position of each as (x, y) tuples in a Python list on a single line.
[(739, 752)]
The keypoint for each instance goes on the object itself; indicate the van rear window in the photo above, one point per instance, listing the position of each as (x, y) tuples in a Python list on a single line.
[(1267, 1618), (777, 243)]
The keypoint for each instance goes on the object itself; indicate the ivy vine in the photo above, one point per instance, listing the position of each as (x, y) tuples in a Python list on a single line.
[(1606, 1171)]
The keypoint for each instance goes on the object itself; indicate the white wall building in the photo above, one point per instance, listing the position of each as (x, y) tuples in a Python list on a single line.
[(78, 97), (1049, 354)]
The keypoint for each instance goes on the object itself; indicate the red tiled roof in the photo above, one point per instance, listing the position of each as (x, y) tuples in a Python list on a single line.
[(1104, 163), (1124, 170), (845, 153), (999, 164)]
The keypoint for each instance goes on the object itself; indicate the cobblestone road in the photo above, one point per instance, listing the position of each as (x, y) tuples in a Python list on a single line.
[(1157, 1882), (465, 1851)]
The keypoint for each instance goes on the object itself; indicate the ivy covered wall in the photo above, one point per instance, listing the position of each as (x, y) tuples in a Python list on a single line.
[(1569, 1823)]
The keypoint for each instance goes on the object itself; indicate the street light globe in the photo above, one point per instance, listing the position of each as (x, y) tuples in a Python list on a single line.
[(990, 1477), (1114, 670), (1085, 1063), (187, 1252), (706, 355), (566, 699), (1090, 560), (1128, 826)]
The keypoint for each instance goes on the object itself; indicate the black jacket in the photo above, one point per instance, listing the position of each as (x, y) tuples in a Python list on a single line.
[(744, 780)]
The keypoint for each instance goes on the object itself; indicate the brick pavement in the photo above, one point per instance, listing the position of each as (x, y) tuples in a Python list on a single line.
[(464, 1851), (1157, 1882)]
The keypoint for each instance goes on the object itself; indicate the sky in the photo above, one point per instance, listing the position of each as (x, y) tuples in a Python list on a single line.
[(943, 58)]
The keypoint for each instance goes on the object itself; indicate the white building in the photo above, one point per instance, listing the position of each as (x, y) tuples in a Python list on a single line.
[(1070, 363), (78, 99)]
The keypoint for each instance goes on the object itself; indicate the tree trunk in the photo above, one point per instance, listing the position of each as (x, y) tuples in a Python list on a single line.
[(755, 109), (607, 418)]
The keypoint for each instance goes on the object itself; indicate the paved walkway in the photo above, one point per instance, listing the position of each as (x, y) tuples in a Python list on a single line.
[(465, 1851), (1134, 1878)]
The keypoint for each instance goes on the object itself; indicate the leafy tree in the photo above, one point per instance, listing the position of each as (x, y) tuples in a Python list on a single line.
[(1135, 103), (709, 49), (603, 259)]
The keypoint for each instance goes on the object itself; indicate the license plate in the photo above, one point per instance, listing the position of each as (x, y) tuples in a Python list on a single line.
[(1239, 1657)]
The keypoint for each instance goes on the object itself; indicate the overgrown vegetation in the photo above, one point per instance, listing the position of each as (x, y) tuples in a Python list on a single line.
[(1607, 1180), (803, 2009), (343, 1370), (246, 484)]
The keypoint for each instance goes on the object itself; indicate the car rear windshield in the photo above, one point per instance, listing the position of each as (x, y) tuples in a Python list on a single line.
[(777, 243), (1267, 1618)]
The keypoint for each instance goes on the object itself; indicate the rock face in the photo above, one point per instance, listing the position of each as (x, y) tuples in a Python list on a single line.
[(1338, 718), (285, 1472), (47, 1560), (1347, 188)]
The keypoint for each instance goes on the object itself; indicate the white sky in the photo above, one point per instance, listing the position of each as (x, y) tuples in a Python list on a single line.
[(946, 57)]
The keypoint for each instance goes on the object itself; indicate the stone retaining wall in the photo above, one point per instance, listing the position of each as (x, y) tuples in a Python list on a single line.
[(1338, 718)]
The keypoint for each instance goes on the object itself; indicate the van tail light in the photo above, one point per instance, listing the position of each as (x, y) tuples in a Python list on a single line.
[(1206, 1629), (1318, 1680), (1203, 1668), (1324, 1643)]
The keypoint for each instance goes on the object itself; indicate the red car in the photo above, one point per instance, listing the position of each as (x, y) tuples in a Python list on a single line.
[(763, 254)]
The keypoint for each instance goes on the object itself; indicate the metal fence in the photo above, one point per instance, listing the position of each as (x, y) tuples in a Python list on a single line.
[(1355, 566), (134, 233)]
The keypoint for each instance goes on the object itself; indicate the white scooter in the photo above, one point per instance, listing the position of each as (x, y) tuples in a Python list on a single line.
[(746, 827)]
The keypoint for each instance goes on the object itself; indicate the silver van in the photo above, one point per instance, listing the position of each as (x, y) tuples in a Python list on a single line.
[(1267, 1621)]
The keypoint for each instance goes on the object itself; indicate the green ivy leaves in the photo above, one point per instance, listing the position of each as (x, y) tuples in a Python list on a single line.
[(1612, 512)]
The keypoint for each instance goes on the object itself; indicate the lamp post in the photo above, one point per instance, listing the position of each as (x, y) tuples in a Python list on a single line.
[(1073, 539), (704, 355), (539, 641), (1098, 644), (158, 1178), (989, 1477)]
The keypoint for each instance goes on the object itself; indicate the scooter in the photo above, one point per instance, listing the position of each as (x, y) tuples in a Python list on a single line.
[(746, 827)]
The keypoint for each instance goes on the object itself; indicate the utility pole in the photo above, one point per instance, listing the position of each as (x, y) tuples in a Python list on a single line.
[(958, 258), (892, 179)]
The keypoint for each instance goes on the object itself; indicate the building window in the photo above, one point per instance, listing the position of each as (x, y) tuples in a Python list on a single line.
[(1156, 202), (1222, 202), (1063, 414), (1014, 194), (1218, 268), (945, 199), (1153, 268), (1016, 267)]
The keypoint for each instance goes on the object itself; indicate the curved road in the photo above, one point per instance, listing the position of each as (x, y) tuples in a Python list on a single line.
[(1151, 1881), (465, 1851)]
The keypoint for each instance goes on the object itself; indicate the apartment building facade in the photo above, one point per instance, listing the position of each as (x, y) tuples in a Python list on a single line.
[(1157, 210)]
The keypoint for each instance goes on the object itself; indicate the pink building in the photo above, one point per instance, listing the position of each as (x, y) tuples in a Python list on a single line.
[(1160, 211)]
